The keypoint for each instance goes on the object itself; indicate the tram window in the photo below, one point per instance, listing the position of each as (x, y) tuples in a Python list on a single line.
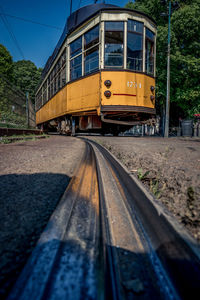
[(135, 26), (150, 34), (76, 67), (39, 99), (76, 47), (149, 52), (134, 45), (91, 47), (63, 77), (45, 92), (76, 59), (59, 81), (55, 83), (62, 70), (92, 60), (51, 88), (91, 38), (114, 39)]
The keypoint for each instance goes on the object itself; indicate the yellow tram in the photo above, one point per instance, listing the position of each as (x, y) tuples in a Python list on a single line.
[(101, 75)]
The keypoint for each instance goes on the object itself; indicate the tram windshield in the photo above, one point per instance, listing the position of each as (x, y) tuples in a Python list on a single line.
[(114, 40), (134, 45)]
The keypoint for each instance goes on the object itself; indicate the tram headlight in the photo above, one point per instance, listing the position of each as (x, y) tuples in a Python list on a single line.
[(107, 83), (107, 94), (152, 98), (152, 88)]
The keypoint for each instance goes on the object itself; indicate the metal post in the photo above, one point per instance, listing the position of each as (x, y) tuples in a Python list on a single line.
[(27, 108), (166, 134)]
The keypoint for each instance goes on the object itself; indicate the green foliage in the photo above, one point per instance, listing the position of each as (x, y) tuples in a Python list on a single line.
[(16, 78), (26, 76), (141, 174), (185, 54), (6, 63), (154, 188)]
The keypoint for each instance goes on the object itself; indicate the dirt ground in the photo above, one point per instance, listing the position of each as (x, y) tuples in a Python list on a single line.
[(33, 177), (169, 168), (35, 174)]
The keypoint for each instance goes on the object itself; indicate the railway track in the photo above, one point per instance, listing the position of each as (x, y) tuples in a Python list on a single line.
[(108, 239)]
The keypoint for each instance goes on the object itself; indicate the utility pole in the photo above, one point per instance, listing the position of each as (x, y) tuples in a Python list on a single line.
[(166, 133)]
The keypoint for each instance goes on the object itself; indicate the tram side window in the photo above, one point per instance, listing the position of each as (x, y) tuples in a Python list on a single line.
[(51, 85), (76, 59), (114, 39), (38, 102), (149, 51), (55, 80), (48, 82), (63, 68), (91, 50), (134, 45), (44, 89)]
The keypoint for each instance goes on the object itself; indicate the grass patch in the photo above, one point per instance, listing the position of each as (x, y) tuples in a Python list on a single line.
[(21, 138), (8, 125), (141, 174)]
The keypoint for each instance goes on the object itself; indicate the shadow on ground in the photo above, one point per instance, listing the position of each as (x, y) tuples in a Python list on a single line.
[(26, 204)]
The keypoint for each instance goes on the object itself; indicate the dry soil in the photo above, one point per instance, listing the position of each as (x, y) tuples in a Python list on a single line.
[(35, 174), (33, 177), (170, 170)]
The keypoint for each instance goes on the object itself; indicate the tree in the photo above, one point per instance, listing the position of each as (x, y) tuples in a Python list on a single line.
[(6, 63), (185, 54), (6, 74), (26, 76), (16, 78)]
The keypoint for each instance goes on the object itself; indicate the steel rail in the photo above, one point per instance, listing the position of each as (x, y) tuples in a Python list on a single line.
[(160, 241), (108, 239)]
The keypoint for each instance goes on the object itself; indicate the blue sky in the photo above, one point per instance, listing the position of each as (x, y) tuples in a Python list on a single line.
[(36, 42)]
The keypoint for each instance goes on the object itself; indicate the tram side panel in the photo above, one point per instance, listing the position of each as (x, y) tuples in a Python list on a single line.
[(55, 107), (83, 94), (81, 98)]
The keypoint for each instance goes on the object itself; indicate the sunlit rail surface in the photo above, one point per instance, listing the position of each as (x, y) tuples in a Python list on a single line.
[(108, 239)]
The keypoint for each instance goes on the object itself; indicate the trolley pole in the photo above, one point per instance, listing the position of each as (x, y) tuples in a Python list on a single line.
[(166, 133)]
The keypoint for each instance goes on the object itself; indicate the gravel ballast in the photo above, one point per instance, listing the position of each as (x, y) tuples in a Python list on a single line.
[(33, 178)]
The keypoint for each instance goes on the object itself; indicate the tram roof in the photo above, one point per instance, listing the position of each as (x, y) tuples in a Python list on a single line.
[(76, 19)]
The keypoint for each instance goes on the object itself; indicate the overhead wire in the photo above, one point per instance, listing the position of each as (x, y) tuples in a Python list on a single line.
[(32, 21), (10, 31)]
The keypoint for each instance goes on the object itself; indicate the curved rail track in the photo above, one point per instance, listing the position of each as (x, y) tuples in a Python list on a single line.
[(108, 239)]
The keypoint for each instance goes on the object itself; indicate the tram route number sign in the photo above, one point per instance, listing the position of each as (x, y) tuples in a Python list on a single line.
[(133, 84)]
